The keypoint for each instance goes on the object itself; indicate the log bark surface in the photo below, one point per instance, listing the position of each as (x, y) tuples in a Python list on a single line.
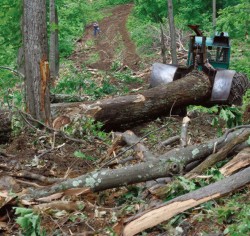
[(167, 210), (152, 103)]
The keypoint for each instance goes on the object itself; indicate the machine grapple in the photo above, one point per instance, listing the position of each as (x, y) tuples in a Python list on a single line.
[(212, 56)]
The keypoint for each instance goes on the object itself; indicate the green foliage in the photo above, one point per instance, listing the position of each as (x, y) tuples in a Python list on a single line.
[(231, 115), (143, 34), (10, 30), (86, 128), (74, 16), (151, 10), (29, 222), (182, 185), (240, 56), (235, 19), (130, 199), (126, 77), (235, 214), (194, 12), (78, 217), (117, 2), (76, 83), (83, 156)]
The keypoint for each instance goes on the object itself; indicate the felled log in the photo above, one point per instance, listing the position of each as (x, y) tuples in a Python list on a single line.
[(195, 88), (5, 126), (164, 166), (167, 210)]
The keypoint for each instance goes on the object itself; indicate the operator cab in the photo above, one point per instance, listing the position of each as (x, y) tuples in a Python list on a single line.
[(217, 50)]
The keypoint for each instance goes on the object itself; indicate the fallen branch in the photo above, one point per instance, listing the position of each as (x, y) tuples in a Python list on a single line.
[(184, 127), (61, 133), (240, 161), (41, 178), (167, 165), (167, 210), (60, 205), (13, 71), (219, 156), (170, 141), (131, 139)]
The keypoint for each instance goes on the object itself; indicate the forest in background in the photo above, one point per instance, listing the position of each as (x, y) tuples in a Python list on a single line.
[(143, 24), (232, 17)]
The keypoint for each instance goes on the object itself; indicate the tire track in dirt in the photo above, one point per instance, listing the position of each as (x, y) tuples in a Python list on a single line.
[(112, 45)]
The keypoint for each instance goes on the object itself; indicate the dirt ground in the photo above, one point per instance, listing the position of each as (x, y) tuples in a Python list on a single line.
[(28, 152), (113, 43)]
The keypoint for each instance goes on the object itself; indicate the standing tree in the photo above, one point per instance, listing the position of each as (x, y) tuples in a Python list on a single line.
[(172, 32), (36, 69), (163, 46), (54, 50)]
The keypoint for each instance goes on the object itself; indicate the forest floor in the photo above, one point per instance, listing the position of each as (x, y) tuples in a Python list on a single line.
[(102, 211)]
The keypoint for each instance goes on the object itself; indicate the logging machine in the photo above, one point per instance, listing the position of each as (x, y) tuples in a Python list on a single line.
[(212, 56)]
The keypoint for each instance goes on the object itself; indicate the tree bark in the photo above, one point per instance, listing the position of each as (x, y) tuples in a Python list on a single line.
[(172, 32), (131, 109), (241, 160), (54, 52), (219, 156), (36, 68), (167, 210), (163, 46), (162, 166), (5, 126)]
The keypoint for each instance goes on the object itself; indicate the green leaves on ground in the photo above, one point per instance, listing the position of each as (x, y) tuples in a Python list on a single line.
[(29, 222)]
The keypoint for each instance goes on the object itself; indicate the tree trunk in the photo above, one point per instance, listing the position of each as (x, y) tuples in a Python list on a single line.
[(36, 60), (54, 52), (167, 210), (5, 126), (172, 32), (163, 47), (155, 102)]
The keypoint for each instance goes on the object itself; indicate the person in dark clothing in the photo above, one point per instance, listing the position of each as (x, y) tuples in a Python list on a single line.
[(96, 29)]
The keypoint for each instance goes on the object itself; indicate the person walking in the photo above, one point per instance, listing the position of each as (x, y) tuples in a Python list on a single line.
[(96, 28)]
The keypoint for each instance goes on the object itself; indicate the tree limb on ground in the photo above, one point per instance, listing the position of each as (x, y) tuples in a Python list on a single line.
[(241, 160), (167, 210), (171, 164), (219, 156)]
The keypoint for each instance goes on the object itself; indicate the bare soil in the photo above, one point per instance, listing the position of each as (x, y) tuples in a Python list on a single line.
[(112, 44)]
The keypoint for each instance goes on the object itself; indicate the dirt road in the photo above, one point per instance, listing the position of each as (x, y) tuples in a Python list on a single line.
[(112, 45)]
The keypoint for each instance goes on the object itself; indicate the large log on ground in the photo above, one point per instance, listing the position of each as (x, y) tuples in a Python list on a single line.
[(155, 102), (5, 126)]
